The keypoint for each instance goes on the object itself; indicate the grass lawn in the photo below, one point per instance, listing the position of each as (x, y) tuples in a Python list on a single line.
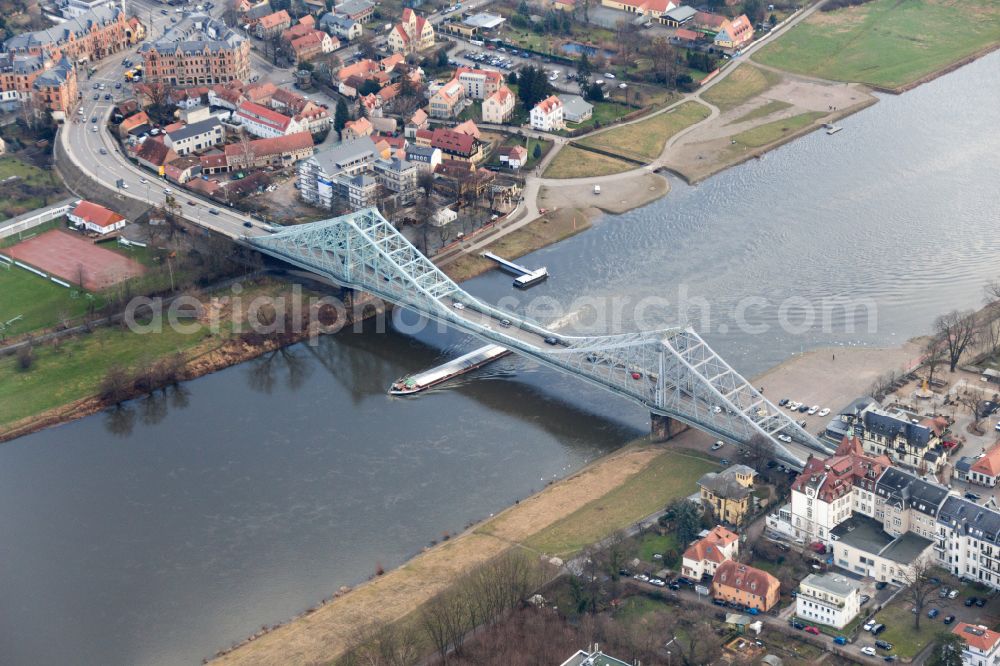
[(886, 43), (553, 227), (763, 111), (573, 162), (644, 140), (774, 131), (899, 631), (605, 113), (60, 376), (38, 301), (744, 82), (664, 545), (25, 187), (669, 476)]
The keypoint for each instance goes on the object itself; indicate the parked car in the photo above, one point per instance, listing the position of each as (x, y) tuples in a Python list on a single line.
[(883, 645), (724, 461), (943, 593), (970, 601), (812, 410), (868, 650), (868, 625), (782, 402), (840, 640), (933, 613), (980, 602), (823, 412), (812, 630), (865, 599), (803, 409), (658, 582), (798, 625), (949, 619), (881, 585), (878, 629), (972, 497), (717, 446), (953, 594)]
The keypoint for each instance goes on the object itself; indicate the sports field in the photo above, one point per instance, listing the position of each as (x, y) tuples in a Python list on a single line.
[(75, 260)]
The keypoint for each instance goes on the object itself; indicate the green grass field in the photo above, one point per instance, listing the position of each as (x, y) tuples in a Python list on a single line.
[(25, 187), (573, 162), (886, 43), (40, 302), (644, 140), (744, 82), (899, 631), (74, 370), (669, 476), (774, 131)]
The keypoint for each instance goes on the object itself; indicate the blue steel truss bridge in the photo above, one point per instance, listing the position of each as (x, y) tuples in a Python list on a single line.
[(671, 372)]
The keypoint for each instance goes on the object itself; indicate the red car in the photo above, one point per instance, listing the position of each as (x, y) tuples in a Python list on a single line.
[(818, 547), (813, 630)]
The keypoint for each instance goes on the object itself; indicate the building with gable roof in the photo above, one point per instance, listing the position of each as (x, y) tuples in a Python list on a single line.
[(458, 146), (499, 106), (358, 10), (479, 83), (91, 36), (196, 137), (414, 33), (745, 585), (344, 27), (446, 102), (547, 115), (264, 122), (704, 556), (914, 445), (982, 645), (985, 470), (648, 8), (273, 24), (93, 217), (734, 33)]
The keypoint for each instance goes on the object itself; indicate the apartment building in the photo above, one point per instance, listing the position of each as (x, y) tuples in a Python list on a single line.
[(479, 83), (264, 122), (273, 24), (728, 493), (92, 36), (199, 50), (398, 176), (896, 435), (316, 174), (829, 599), (445, 103), (342, 27), (982, 646)]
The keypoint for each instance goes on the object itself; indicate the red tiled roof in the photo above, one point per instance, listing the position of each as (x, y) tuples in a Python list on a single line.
[(96, 214), (154, 151), (279, 145), (549, 104), (454, 142), (745, 578), (989, 464), (134, 121), (468, 127), (489, 74), (689, 35), (501, 95), (977, 636), (213, 160), (264, 114), (277, 18), (709, 20), (708, 547)]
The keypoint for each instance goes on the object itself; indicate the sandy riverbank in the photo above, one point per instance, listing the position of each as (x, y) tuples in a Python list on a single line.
[(830, 377)]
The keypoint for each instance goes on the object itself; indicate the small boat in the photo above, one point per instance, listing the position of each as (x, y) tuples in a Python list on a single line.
[(832, 129)]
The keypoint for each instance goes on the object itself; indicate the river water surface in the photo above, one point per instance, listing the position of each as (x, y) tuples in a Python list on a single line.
[(161, 533)]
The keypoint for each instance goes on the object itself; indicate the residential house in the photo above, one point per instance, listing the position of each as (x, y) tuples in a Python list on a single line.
[(547, 115), (458, 146), (343, 27), (652, 9), (446, 102), (182, 169), (686, 37), (479, 83), (734, 33), (704, 556), (414, 33), (417, 121), (499, 106), (358, 10), (728, 493), (468, 127), (745, 585), (830, 599), (985, 470), (265, 123), (513, 157), (355, 129), (279, 151), (312, 45), (982, 645), (576, 109), (360, 191), (96, 218), (153, 154), (135, 125), (593, 657), (195, 137), (273, 25)]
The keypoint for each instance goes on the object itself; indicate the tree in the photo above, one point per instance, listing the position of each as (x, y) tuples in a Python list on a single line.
[(442, 58), (341, 116), (682, 515), (919, 587), (25, 356), (755, 10), (958, 331), (425, 182), (692, 634), (537, 152), (934, 355), (972, 401), (595, 93), (948, 650), (583, 67), (116, 384), (533, 86), (760, 451)]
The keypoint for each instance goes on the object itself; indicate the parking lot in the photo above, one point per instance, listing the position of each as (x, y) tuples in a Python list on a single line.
[(510, 60)]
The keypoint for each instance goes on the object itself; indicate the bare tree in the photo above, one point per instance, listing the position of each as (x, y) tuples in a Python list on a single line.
[(116, 385), (957, 330), (425, 181), (972, 401), (760, 450), (693, 635), (919, 587), (377, 644), (934, 355)]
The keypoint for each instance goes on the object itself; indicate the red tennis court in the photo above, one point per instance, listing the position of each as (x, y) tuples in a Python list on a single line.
[(65, 255)]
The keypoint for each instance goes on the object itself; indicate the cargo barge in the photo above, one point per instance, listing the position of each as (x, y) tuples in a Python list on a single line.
[(442, 373)]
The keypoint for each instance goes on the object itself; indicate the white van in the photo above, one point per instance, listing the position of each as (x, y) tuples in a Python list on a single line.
[(597, 189)]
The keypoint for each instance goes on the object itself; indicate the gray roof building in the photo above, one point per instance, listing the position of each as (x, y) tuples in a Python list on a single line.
[(575, 108), (970, 519), (258, 11), (195, 129), (902, 489), (724, 483), (338, 22), (681, 14), (196, 33), (341, 156), (834, 584), (353, 7), (77, 27), (56, 75)]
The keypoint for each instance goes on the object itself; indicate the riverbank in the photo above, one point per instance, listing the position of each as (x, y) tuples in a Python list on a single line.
[(609, 494), (64, 381)]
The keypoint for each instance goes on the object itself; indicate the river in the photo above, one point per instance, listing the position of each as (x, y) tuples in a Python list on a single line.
[(161, 533)]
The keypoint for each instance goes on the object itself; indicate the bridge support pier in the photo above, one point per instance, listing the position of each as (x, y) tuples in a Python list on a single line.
[(663, 428)]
